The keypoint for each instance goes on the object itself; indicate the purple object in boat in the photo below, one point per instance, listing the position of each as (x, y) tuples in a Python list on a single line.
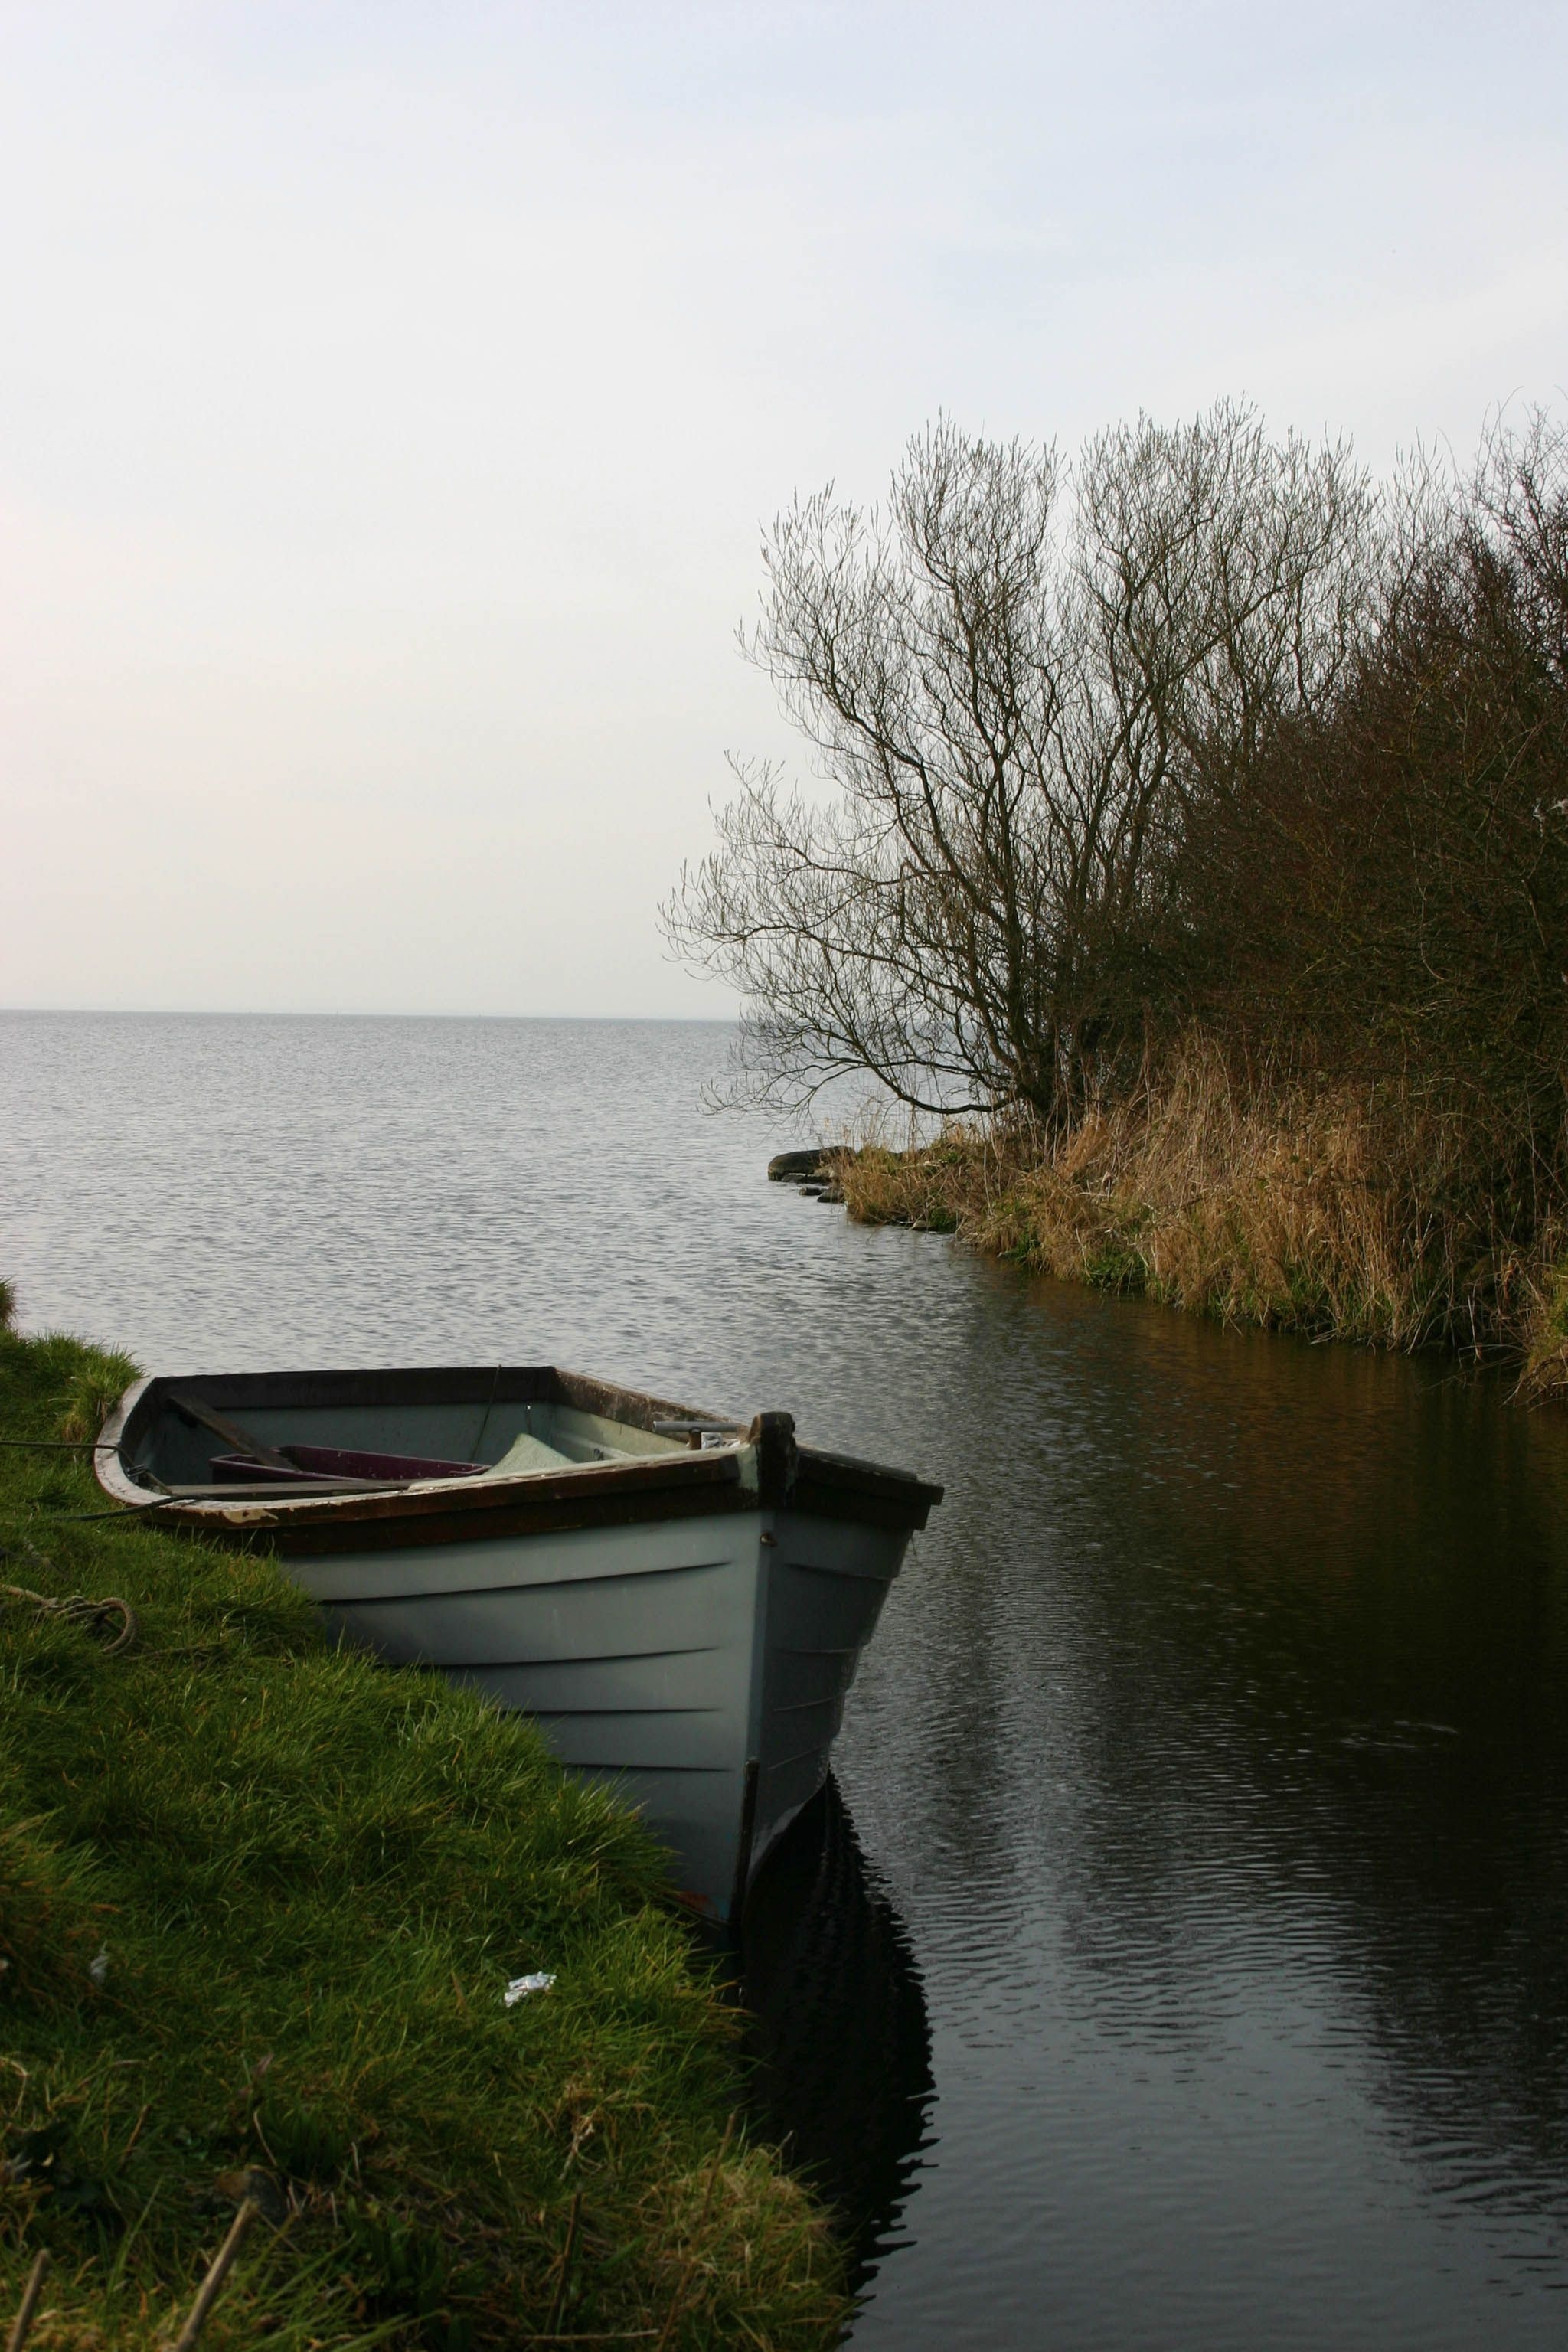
[(315, 1464)]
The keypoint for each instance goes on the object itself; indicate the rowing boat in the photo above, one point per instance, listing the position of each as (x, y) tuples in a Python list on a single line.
[(679, 1598)]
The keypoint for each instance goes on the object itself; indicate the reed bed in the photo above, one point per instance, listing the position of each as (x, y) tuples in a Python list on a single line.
[(1329, 1209), (259, 1903)]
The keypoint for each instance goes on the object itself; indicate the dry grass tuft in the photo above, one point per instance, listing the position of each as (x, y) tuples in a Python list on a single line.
[(1311, 1207), (1545, 1371)]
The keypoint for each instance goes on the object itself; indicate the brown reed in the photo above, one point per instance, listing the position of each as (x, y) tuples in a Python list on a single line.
[(1328, 1207)]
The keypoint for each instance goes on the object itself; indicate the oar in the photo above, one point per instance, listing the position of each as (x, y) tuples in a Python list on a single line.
[(233, 1436)]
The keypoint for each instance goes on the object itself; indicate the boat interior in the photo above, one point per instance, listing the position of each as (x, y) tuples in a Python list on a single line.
[(342, 1433)]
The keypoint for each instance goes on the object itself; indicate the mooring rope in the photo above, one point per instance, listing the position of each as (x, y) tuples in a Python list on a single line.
[(77, 1610), (57, 1519), (62, 1444)]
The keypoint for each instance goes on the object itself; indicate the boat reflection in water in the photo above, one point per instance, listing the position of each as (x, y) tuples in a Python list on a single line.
[(837, 2032)]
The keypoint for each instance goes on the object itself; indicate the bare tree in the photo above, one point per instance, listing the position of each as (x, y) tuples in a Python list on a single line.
[(1013, 679), (1386, 890), (1517, 497)]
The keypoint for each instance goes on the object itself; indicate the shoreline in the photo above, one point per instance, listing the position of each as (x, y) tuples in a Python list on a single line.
[(261, 1905), (1325, 1210)]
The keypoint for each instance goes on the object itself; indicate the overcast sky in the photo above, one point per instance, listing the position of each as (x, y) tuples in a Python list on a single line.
[(392, 394)]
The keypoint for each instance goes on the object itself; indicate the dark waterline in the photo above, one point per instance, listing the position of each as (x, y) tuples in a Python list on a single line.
[(1208, 1767)]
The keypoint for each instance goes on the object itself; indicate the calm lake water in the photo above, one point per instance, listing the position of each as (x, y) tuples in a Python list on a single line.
[(1184, 1964)]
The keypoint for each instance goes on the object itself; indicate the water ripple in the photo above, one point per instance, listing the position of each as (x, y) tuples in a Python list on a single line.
[(1211, 1762)]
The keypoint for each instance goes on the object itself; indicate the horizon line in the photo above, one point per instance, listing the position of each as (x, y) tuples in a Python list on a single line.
[(242, 1013)]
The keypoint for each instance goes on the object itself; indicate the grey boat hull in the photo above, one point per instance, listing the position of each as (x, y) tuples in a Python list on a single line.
[(665, 1661), (679, 1599)]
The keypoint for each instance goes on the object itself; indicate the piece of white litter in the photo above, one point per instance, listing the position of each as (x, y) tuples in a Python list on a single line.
[(99, 1969), (521, 1986)]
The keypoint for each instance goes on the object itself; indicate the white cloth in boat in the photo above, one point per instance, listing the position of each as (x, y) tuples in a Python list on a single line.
[(526, 1453)]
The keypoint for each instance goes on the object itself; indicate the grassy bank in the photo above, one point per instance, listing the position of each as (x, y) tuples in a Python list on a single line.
[(260, 1901), (1331, 1211)]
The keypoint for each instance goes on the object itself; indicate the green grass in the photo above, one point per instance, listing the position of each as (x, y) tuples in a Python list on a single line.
[(259, 1903)]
